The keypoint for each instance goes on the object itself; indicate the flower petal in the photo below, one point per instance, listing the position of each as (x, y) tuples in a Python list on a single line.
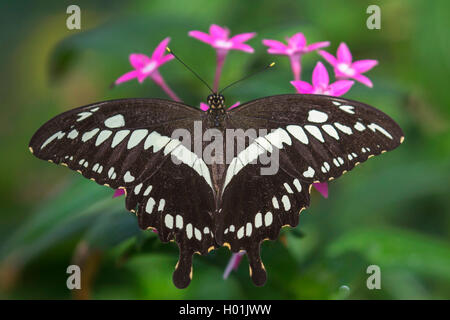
[(297, 41), (139, 60), (238, 260), (322, 187), (118, 193), (317, 45), (344, 54), (234, 105), (303, 87), (275, 47), (242, 47), (141, 76), (233, 263), (277, 51), (201, 36), (165, 59), (329, 57), (203, 106), (127, 77), (160, 49), (362, 66), (320, 76), (340, 87), (218, 33), (243, 37), (363, 80)]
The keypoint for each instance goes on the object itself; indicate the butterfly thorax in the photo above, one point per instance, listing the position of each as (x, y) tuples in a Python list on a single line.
[(216, 111)]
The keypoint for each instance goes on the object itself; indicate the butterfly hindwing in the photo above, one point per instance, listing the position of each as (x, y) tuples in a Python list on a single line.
[(179, 206), (255, 207)]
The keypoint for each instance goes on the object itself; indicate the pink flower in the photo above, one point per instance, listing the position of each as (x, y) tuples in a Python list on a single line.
[(118, 193), (148, 67), (233, 264), (205, 107), (321, 83), (295, 48), (344, 68), (322, 187), (218, 38)]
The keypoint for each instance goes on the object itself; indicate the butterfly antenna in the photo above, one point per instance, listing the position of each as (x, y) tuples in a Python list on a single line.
[(184, 64), (250, 75)]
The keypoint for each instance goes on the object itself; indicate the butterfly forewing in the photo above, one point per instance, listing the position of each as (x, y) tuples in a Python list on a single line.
[(321, 137), (118, 143)]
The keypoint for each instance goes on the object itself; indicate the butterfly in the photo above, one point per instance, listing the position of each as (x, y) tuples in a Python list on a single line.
[(128, 144)]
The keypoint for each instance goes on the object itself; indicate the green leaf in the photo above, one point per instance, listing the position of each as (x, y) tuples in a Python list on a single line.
[(111, 228), (69, 212), (397, 249)]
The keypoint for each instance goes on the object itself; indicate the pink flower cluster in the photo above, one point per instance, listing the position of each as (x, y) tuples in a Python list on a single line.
[(346, 72), (147, 67)]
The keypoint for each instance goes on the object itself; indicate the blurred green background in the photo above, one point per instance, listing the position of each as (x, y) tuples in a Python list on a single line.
[(393, 211)]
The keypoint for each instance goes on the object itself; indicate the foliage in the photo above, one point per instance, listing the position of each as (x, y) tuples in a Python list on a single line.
[(392, 211)]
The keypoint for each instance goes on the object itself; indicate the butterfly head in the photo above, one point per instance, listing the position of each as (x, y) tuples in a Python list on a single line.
[(216, 101)]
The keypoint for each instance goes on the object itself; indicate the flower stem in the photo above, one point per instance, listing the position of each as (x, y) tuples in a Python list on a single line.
[(221, 55), (158, 79), (296, 66)]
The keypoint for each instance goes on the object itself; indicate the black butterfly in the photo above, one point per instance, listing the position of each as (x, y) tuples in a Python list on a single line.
[(127, 144)]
